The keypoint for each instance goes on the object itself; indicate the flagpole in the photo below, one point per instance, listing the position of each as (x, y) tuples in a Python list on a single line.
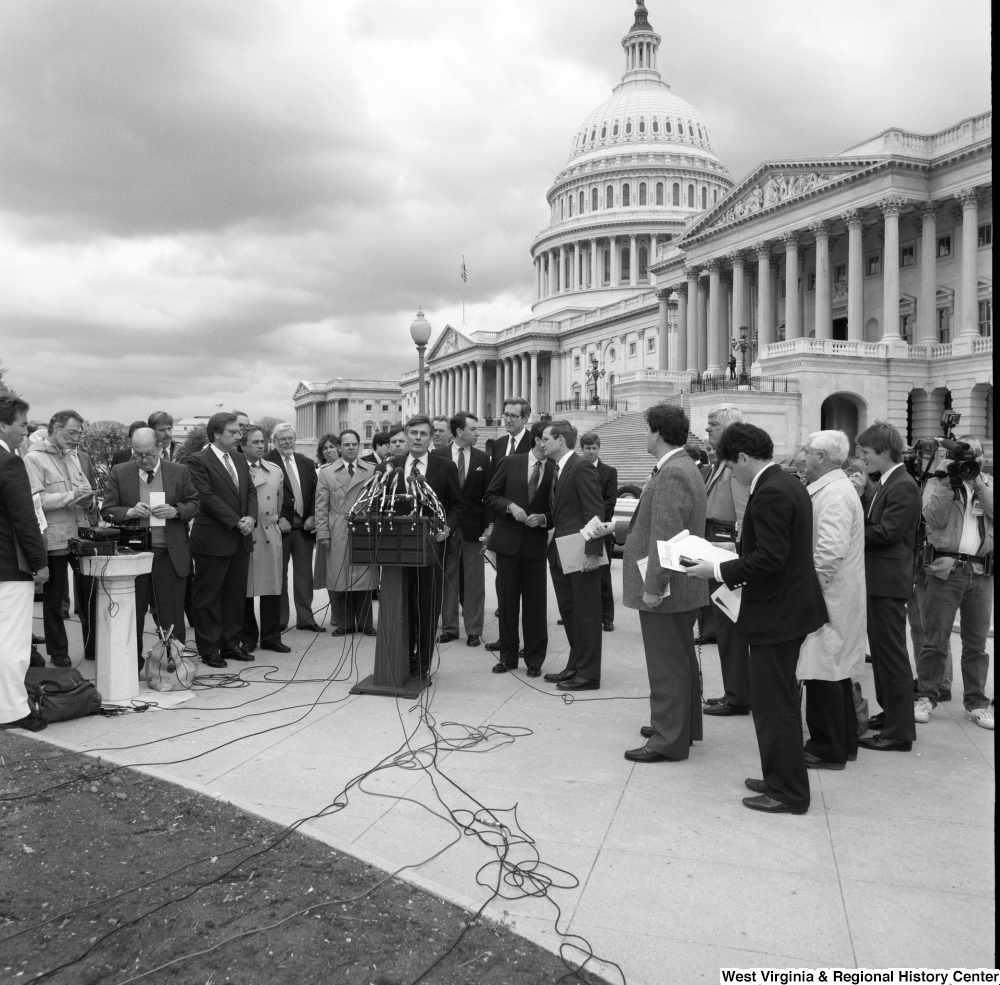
[(465, 280)]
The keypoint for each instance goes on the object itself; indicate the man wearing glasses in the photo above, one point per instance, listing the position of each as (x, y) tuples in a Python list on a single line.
[(221, 541), (153, 492), (63, 478)]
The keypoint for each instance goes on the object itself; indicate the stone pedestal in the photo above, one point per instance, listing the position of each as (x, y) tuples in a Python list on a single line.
[(114, 578)]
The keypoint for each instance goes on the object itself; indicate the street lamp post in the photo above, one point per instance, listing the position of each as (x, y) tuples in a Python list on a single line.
[(593, 375), (743, 345), (420, 332)]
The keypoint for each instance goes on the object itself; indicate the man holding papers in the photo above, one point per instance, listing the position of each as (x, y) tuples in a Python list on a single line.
[(575, 501), (782, 603), (668, 602)]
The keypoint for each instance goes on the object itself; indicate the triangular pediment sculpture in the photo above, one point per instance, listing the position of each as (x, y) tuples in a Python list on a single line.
[(449, 341)]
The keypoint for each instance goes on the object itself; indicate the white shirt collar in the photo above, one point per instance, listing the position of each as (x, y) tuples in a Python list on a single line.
[(4, 443), (753, 484), (515, 440), (888, 472), (155, 468), (220, 454), (455, 449), (410, 460), (562, 461), (662, 461)]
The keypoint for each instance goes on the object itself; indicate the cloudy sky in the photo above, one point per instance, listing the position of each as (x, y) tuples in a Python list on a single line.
[(204, 201)]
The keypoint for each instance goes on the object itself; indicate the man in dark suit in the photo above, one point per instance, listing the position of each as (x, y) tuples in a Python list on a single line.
[(424, 584), (517, 440), (518, 497), (464, 564), (668, 603), (125, 455), (221, 541), (22, 565), (128, 500), (575, 500), (298, 510), (782, 603), (590, 450), (892, 512), (380, 449), (163, 424)]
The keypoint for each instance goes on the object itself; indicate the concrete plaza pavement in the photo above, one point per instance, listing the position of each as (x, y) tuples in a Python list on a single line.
[(658, 868)]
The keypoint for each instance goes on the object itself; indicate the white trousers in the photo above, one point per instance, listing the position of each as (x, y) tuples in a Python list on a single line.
[(16, 601)]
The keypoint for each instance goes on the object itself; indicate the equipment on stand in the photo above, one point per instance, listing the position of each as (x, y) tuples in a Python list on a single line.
[(394, 524)]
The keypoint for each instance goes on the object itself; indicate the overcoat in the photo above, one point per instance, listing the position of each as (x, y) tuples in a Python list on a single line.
[(336, 493), (264, 576), (836, 650)]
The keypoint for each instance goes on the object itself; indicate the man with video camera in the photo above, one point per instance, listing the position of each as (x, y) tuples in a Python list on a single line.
[(958, 564)]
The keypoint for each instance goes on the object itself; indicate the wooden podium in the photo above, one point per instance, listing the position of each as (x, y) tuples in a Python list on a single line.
[(395, 543)]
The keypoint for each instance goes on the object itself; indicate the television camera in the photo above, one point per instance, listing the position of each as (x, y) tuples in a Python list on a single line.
[(959, 467)]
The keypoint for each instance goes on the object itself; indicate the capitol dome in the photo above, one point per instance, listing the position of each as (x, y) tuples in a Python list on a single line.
[(641, 166)]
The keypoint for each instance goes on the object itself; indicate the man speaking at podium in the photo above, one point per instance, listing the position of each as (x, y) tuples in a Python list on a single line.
[(424, 585)]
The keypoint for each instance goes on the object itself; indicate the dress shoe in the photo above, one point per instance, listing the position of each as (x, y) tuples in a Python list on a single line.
[(474, 640), (493, 647), (647, 731), (61, 661), (703, 640), (644, 755), (534, 671), (578, 684), (885, 745), (214, 660), (37, 641), (338, 631), (447, 637), (371, 631), (715, 701), (563, 675), (771, 806), (312, 628), (276, 646), (238, 653), (500, 668), (33, 723), (723, 709), (757, 786), (876, 722), (815, 763), (608, 626)]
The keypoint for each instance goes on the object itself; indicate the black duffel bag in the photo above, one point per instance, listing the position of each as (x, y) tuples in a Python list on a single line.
[(57, 694)]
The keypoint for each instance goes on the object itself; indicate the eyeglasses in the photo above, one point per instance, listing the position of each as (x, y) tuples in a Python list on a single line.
[(235, 433), (512, 417), (74, 432)]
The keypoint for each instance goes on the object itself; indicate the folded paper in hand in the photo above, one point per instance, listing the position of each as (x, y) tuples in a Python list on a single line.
[(728, 600), (572, 550), (643, 563), (686, 545), (157, 499), (592, 528)]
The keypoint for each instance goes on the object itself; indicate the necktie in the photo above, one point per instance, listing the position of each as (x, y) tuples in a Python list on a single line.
[(228, 462), (461, 467), (533, 481), (552, 491), (149, 476), (510, 444), (350, 471), (415, 468), (293, 478)]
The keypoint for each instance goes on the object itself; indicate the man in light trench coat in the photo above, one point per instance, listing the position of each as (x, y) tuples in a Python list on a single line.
[(835, 653)]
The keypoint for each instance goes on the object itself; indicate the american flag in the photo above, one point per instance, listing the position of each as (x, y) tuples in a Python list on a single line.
[(465, 276)]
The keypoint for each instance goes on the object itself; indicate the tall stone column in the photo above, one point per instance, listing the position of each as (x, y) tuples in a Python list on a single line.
[(577, 279), (533, 381), (765, 312), (793, 323), (739, 294), (565, 283), (652, 255), (663, 358), (715, 330), (515, 368), (633, 261), (691, 363), (480, 390), (435, 393), (500, 394), (968, 316), (855, 276), (615, 265), (553, 272), (555, 379), (678, 357), (526, 382), (891, 208), (593, 265), (538, 278), (824, 298), (927, 301), (702, 334)]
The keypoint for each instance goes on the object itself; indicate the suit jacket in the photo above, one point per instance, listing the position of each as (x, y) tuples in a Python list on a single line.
[(371, 458), (307, 480), (673, 500), (607, 475), (891, 517), (222, 504), (478, 472), (18, 524), (510, 485), (782, 599), (122, 494), (442, 477), (577, 498), (499, 449), (120, 457), (727, 499)]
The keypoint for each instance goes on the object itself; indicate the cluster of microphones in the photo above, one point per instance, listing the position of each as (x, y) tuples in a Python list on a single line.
[(392, 493)]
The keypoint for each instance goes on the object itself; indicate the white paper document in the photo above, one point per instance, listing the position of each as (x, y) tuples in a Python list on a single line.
[(572, 549), (642, 564), (685, 545), (39, 512), (592, 529), (157, 499), (728, 600)]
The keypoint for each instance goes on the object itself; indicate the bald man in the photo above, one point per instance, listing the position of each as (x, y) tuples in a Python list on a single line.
[(149, 488)]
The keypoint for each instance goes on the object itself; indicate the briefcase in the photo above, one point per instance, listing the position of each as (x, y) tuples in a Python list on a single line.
[(58, 694)]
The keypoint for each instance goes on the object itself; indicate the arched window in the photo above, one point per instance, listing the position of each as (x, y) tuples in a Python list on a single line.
[(690, 130), (667, 126), (690, 196), (642, 126), (643, 263), (659, 193), (604, 131), (607, 265), (704, 197), (626, 195), (715, 195), (583, 202), (614, 132), (625, 264), (628, 127), (676, 194), (609, 197), (642, 192), (593, 200), (656, 126), (699, 134), (593, 135)]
